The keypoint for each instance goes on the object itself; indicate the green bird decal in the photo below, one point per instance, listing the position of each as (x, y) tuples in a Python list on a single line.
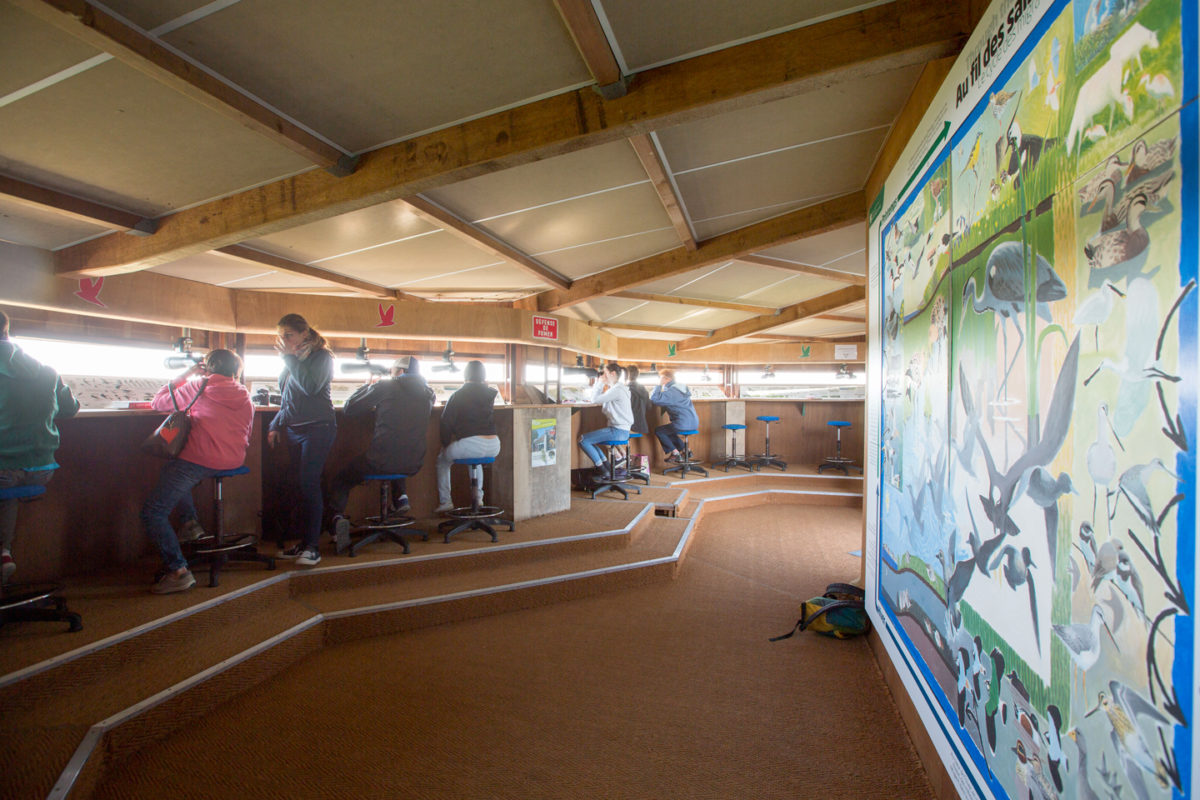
[(670, 349), (805, 351)]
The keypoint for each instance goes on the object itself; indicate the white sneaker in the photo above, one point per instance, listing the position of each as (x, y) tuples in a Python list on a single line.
[(170, 583), (308, 558), (341, 533), (443, 508), (190, 531)]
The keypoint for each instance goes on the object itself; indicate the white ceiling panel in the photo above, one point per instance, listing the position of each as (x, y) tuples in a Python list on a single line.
[(32, 50), (724, 223), (502, 276), (413, 259), (346, 234), (843, 250), (39, 227), (656, 31), (234, 273), (587, 259)]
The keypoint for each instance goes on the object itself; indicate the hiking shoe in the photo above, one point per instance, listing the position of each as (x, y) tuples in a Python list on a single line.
[(170, 582), (7, 566), (401, 506), (190, 531), (308, 557), (341, 533), (443, 508), (292, 552), (673, 457)]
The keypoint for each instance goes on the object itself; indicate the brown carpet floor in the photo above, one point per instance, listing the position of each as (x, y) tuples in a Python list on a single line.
[(665, 691)]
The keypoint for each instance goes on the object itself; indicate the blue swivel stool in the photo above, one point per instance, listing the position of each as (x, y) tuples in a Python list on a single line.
[(33, 602), (384, 526), (475, 517), (611, 482), (635, 475), (836, 461), (766, 458), (687, 464), (734, 460), (217, 549)]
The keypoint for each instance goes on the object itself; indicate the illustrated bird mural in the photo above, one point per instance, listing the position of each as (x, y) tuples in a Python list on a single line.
[(1054, 752), (1144, 159), (1129, 584), (1096, 308), (1103, 91), (1083, 786), (1107, 250), (1124, 707), (992, 707), (1018, 574), (1044, 489), (1102, 462), (973, 157), (1113, 170), (1132, 486), (1083, 643), (1087, 545), (1157, 86), (1106, 562)]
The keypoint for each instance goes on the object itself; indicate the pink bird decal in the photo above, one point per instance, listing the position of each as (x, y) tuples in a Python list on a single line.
[(386, 318), (89, 291)]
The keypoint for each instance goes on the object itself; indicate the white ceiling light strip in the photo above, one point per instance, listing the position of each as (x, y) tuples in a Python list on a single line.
[(785, 149), (558, 202)]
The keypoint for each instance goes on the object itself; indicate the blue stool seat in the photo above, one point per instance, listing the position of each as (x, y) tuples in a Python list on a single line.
[(734, 427), (615, 443), (21, 492), (767, 419), (385, 476), (838, 424), (688, 433), (229, 473), (475, 517), (634, 435)]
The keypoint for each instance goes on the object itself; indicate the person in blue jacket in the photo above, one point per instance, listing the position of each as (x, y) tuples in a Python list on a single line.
[(676, 400), (305, 423)]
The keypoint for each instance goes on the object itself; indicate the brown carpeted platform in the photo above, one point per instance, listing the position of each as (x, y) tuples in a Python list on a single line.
[(667, 690)]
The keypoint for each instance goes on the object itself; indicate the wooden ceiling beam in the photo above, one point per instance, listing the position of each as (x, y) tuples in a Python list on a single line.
[(693, 301), (842, 318), (243, 253), (592, 44), (850, 47), (75, 207), (149, 56), (656, 169), (451, 223), (809, 308), (809, 221), (806, 269)]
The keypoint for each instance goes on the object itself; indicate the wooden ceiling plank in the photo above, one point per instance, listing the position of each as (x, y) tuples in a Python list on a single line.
[(806, 269), (457, 226), (74, 207), (147, 55), (693, 301), (244, 253), (867, 42), (809, 308), (656, 170), (842, 318), (809, 221), (590, 40)]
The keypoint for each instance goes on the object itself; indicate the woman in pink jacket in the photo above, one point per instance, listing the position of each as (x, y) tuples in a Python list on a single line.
[(220, 433)]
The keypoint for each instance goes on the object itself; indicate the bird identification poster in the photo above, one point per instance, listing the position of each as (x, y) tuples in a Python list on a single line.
[(1031, 548), (543, 440)]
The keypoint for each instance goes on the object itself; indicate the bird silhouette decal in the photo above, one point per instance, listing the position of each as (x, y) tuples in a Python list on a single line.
[(89, 291), (386, 317)]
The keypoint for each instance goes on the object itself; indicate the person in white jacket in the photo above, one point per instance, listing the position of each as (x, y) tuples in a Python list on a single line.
[(613, 397)]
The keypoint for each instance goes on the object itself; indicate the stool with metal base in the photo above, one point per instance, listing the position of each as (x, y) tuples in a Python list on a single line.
[(384, 526), (687, 464), (836, 461), (475, 517), (33, 602), (734, 460), (635, 474), (216, 549), (767, 458), (611, 483)]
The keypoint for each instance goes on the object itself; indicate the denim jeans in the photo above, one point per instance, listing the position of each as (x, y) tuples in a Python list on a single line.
[(308, 447), (588, 441), (8, 508), (355, 474), (176, 482), (470, 447), (668, 437)]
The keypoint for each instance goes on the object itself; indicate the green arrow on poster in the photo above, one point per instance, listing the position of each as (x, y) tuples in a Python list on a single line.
[(670, 349), (936, 142)]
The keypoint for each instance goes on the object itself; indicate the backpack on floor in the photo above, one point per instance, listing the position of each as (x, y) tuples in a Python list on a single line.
[(839, 613)]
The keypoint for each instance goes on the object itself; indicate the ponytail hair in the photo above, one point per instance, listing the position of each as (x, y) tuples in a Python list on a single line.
[(299, 324)]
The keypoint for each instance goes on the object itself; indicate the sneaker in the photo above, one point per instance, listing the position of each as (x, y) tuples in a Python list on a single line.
[(308, 557), (401, 506), (673, 457), (170, 582), (341, 533), (292, 552), (443, 508), (190, 531), (7, 566)]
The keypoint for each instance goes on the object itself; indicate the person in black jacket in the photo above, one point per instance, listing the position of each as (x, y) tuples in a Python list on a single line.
[(639, 401), (306, 425), (467, 430), (401, 405)]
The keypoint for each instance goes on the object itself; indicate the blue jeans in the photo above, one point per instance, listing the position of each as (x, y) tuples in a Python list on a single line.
[(669, 438), (174, 484), (308, 447), (588, 441), (8, 508)]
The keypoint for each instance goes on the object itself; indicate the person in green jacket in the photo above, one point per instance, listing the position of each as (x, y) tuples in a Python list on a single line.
[(32, 396)]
